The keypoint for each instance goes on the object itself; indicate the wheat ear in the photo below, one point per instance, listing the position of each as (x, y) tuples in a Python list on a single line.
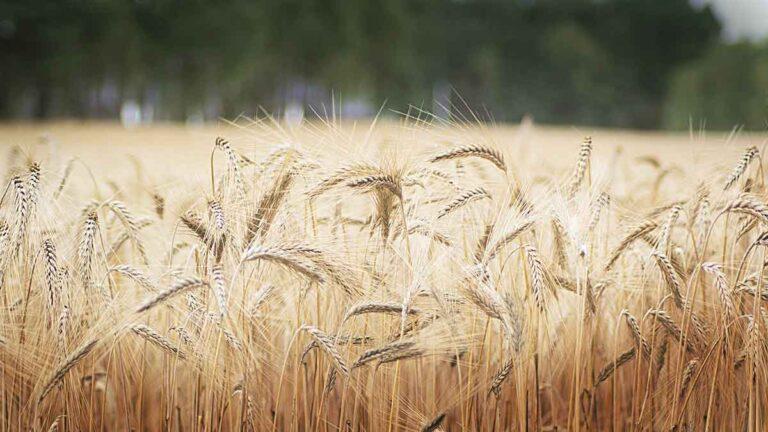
[(639, 231), (741, 167), (585, 152), (149, 334), (377, 307), (66, 365), (611, 367), (182, 285), (434, 424), (326, 343), (483, 152), (634, 328), (463, 199)]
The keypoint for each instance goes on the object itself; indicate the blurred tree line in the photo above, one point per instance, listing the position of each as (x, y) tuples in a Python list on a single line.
[(727, 88), (629, 63)]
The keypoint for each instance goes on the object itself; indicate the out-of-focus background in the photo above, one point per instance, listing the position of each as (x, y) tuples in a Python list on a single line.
[(647, 64)]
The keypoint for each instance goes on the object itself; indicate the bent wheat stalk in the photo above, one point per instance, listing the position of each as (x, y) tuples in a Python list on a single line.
[(177, 288), (483, 152), (66, 365)]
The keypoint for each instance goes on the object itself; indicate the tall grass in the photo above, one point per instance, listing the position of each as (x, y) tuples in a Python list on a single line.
[(448, 286)]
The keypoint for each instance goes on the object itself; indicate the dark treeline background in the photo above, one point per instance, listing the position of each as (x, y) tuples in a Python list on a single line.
[(627, 63)]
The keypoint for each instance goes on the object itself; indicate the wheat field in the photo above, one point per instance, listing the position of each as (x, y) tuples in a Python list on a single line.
[(392, 276)]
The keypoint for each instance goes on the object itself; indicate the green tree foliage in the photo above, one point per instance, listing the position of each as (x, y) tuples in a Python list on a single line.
[(726, 88), (599, 62)]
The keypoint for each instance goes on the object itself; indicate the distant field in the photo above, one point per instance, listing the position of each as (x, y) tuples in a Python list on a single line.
[(185, 147)]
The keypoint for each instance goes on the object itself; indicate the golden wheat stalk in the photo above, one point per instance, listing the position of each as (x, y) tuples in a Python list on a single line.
[(66, 365), (184, 284), (637, 335), (136, 275), (434, 424), (379, 352), (741, 167), (376, 181), (636, 233), (217, 214), (343, 174), (506, 239), (85, 249), (149, 334), (423, 228), (671, 327), (22, 211), (283, 257), (721, 285), (585, 152), (462, 200), (326, 343), (750, 206), (612, 366), (219, 288), (398, 355), (479, 151), (131, 225), (500, 376), (538, 280), (233, 163), (62, 328), (377, 307), (338, 340), (668, 273), (51, 276), (666, 229), (487, 300), (561, 242), (690, 369), (68, 167), (603, 201), (259, 298)]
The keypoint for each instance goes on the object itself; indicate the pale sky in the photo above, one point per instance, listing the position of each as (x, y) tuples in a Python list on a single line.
[(741, 19)]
